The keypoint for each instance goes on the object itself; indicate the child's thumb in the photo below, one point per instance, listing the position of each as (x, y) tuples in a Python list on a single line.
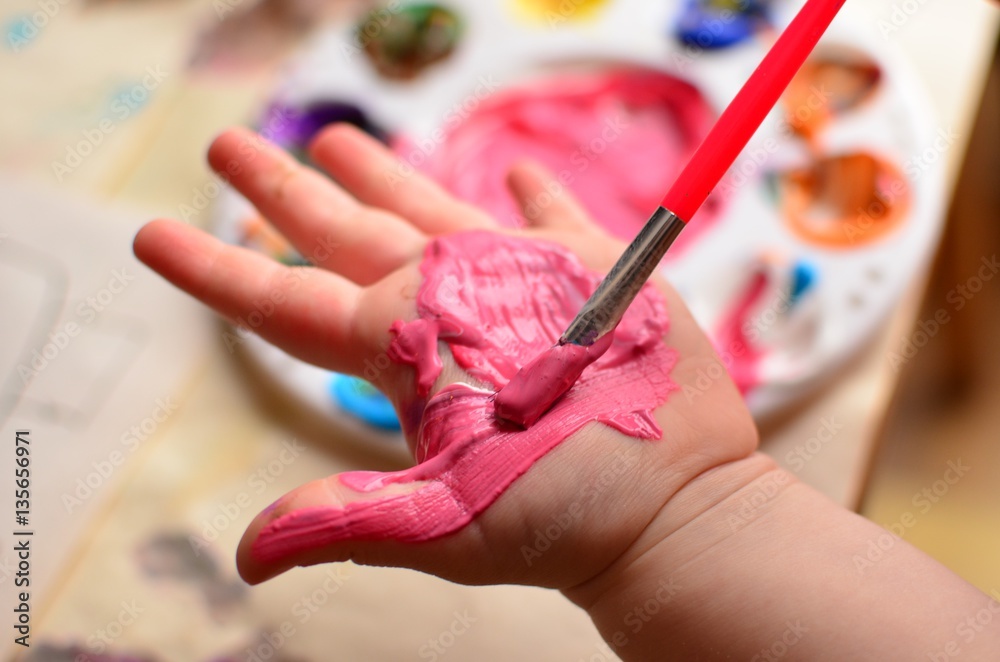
[(368, 517)]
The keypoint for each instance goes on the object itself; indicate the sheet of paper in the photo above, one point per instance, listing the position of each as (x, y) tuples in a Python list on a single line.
[(94, 348)]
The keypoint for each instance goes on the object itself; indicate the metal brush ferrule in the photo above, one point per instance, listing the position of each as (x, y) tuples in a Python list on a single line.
[(605, 307)]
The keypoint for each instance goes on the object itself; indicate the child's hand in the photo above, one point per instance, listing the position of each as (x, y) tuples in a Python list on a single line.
[(366, 234), (687, 547)]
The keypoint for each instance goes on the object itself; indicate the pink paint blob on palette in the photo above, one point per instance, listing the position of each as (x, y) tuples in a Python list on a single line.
[(613, 102), (613, 137)]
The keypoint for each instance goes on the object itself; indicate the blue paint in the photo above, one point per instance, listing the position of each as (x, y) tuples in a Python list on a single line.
[(716, 24), (805, 275), (129, 98), (20, 31), (363, 401)]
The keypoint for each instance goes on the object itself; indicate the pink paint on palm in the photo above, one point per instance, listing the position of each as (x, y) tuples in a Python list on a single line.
[(545, 379), (613, 138), (498, 302)]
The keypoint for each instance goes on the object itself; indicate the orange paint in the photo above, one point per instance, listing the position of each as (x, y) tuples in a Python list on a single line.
[(847, 200), (827, 85), (844, 201)]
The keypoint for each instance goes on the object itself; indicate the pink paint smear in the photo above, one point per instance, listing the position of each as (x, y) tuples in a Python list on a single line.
[(733, 337), (497, 302), (617, 138)]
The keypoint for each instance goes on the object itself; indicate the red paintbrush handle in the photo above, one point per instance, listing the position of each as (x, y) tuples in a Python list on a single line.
[(749, 108)]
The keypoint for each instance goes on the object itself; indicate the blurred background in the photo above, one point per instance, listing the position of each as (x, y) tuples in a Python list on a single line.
[(944, 407), (157, 432)]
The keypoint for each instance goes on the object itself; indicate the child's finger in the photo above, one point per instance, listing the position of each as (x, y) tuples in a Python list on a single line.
[(378, 178), (326, 224), (335, 523), (544, 202), (307, 312)]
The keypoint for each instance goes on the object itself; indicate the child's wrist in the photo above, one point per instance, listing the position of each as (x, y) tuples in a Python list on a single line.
[(649, 576)]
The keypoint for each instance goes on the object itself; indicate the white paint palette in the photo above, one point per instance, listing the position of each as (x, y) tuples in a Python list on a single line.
[(816, 285)]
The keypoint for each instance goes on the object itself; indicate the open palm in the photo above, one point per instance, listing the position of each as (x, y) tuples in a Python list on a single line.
[(366, 232)]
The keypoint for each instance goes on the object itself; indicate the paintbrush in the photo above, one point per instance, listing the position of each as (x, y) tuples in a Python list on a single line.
[(534, 389)]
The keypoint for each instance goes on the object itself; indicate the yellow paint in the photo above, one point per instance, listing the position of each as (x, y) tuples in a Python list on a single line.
[(557, 12)]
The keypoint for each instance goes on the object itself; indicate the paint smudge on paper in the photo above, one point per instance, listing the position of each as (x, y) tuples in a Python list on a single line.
[(182, 558)]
